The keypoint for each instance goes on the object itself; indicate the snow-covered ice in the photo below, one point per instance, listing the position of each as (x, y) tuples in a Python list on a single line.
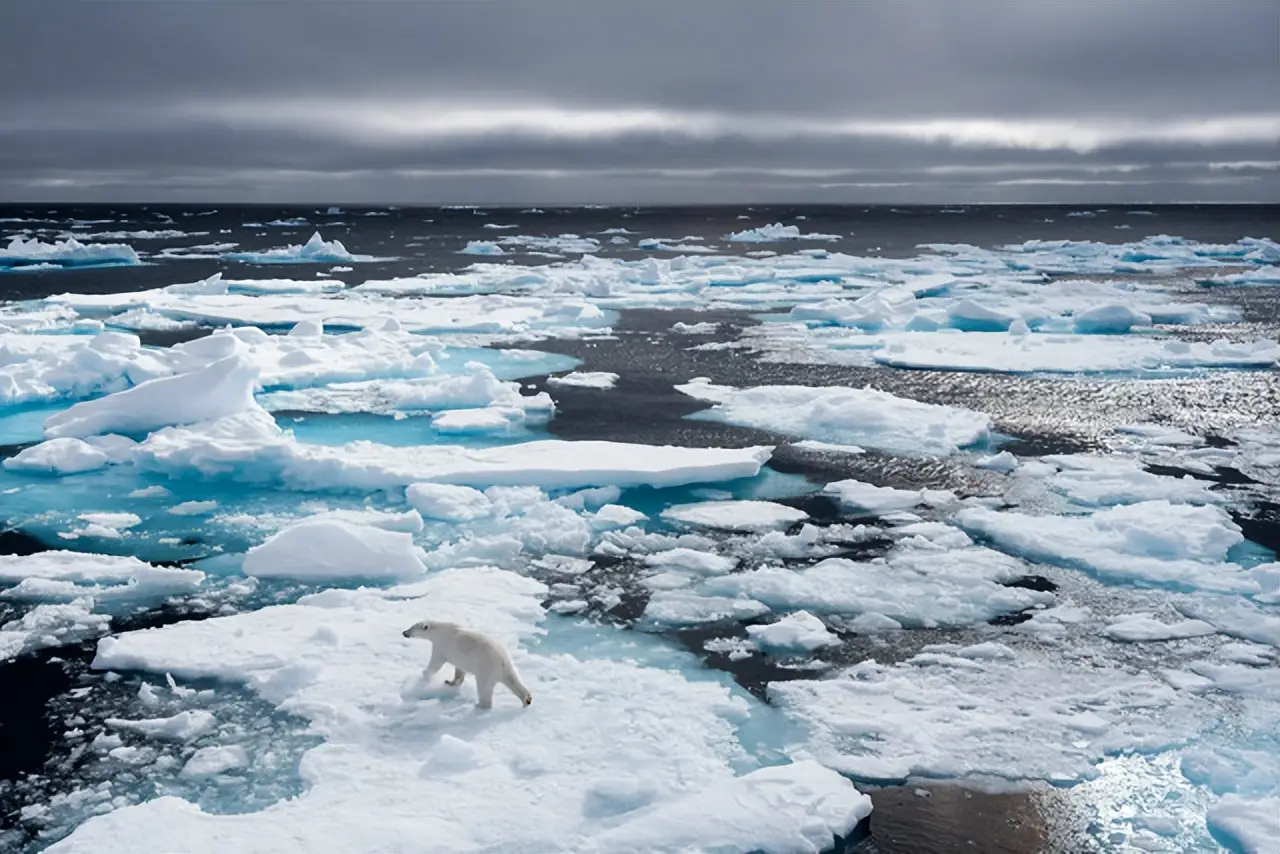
[(736, 515), (393, 745), (865, 417)]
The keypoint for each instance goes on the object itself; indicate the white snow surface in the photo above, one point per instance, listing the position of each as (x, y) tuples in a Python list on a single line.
[(397, 753)]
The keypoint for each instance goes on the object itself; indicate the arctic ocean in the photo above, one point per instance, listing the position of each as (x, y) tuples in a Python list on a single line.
[(809, 528)]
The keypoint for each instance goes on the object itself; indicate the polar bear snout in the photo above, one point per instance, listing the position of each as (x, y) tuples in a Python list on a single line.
[(406, 633)]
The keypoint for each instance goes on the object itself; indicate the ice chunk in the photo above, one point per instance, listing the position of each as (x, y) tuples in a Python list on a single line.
[(857, 495), (211, 761), (1151, 542), (864, 417), (252, 447), (774, 233), (1105, 481), (944, 714), (317, 250), (585, 379), (1249, 825), (757, 516), (29, 252), (1003, 462), (798, 631), (223, 388), (448, 502), (1145, 627), (916, 585), (692, 560), (333, 549), (494, 419), (1110, 319), (1041, 353), (58, 456), (184, 726), (482, 247)]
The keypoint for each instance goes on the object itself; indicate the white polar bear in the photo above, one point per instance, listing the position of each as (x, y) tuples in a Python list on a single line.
[(469, 652)]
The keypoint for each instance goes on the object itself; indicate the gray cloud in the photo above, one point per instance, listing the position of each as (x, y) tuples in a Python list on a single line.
[(661, 101)]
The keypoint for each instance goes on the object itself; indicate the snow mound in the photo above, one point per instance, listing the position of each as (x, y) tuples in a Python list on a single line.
[(846, 416), (333, 549), (757, 516), (1250, 825), (29, 252)]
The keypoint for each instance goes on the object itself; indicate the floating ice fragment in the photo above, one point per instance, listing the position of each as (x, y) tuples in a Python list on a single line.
[(757, 516), (333, 549), (800, 631)]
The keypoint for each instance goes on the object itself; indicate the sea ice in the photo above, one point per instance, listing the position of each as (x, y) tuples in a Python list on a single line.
[(224, 387), (857, 495), (800, 631), (317, 250), (775, 232), (1145, 627), (864, 417), (585, 379), (1149, 542), (757, 516), (959, 712), (23, 252), (398, 753)]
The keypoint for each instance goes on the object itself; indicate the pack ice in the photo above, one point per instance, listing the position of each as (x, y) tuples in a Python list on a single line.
[(331, 464)]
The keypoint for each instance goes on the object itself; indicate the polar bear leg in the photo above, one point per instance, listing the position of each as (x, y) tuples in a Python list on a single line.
[(433, 666), (484, 689), (458, 675)]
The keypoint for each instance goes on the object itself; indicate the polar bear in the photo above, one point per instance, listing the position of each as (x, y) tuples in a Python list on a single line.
[(469, 652)]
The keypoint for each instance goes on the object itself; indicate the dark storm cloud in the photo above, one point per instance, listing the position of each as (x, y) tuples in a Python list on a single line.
[(660, 101)]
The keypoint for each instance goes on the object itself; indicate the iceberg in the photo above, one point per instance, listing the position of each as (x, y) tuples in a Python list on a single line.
[(774, 233), (317, 250), (23, 252)]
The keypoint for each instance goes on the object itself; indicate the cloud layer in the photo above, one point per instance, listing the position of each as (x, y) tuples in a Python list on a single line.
[(563, 102)]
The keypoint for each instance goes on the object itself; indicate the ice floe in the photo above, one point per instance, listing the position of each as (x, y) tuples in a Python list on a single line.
[(338, 661), (27, 253), (865, 417), (316, 250)]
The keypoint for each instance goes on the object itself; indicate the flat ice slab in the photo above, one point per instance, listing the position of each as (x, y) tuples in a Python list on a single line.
[(847, 416), (756, 516)]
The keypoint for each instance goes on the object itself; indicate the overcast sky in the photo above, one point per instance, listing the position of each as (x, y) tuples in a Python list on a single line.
[(613, 101)]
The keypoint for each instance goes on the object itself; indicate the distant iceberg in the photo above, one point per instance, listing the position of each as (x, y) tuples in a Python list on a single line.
[(775, 232), (24, 252), (317, 250)]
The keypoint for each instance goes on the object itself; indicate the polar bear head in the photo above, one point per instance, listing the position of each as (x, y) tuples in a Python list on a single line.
[(427, 629)]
